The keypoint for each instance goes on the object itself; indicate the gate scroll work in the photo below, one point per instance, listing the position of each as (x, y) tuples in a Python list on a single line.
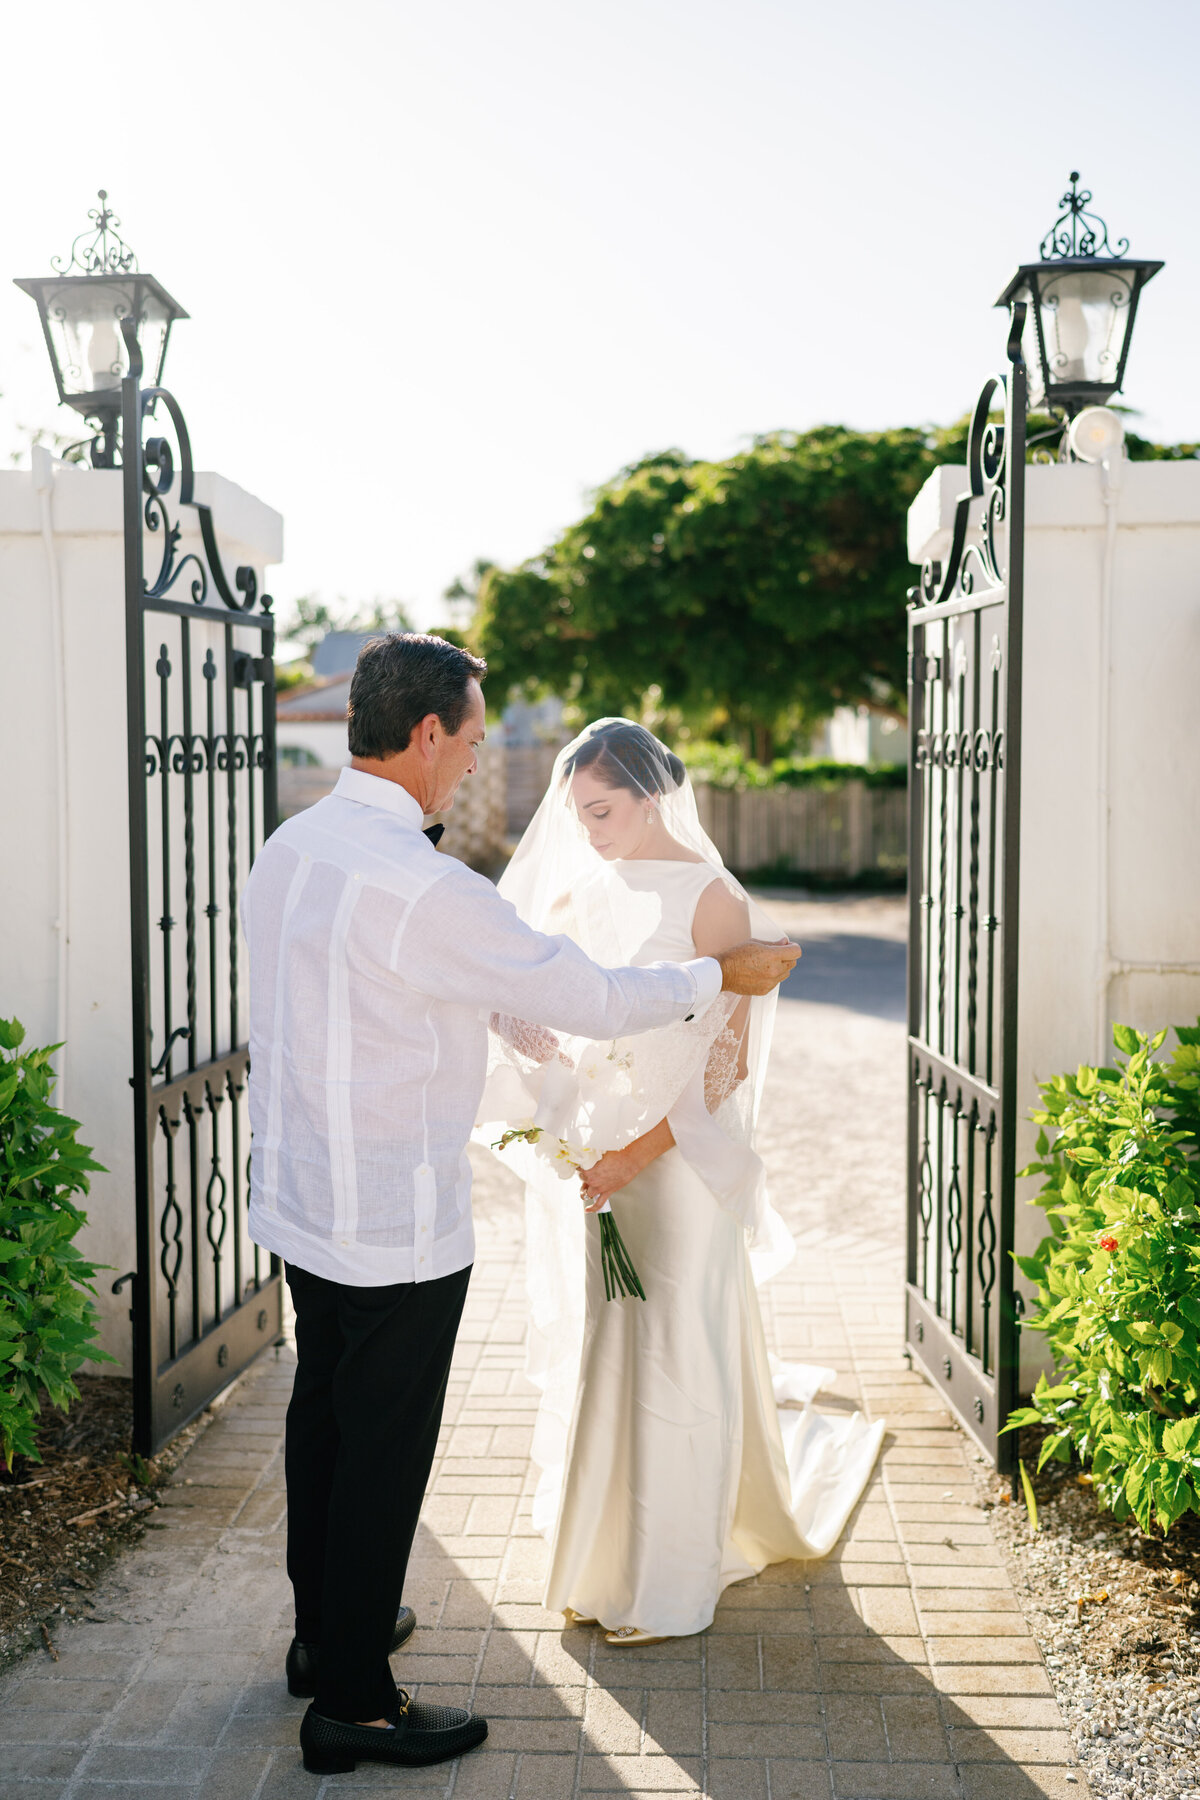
[(201, 737), (964, 639)]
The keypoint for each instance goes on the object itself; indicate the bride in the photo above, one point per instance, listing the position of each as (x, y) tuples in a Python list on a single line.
[(669, 1468)]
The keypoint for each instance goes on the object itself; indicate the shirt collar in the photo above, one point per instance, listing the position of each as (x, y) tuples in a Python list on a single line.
[(373, 790)]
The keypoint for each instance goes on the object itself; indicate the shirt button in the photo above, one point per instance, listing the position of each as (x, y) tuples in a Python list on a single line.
[(688, 1017)]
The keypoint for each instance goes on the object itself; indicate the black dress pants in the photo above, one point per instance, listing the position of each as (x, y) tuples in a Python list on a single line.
[(362, 1429)]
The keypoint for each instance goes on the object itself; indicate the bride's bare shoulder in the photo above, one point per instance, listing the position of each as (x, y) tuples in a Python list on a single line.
[(721, 919)]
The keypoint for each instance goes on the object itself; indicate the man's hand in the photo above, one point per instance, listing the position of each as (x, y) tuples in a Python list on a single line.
[(755, 968)]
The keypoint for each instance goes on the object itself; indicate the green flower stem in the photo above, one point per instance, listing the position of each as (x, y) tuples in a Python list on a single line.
[(620, 1276)]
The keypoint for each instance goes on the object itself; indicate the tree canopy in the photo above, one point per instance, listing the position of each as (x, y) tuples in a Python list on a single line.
[(756, 593), (749, 596)]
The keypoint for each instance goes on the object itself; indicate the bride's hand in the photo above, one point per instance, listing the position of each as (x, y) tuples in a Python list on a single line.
[(533, 1041), (615, 1170)]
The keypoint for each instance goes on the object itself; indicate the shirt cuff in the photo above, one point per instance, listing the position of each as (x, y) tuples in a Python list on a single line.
[(705, 971)]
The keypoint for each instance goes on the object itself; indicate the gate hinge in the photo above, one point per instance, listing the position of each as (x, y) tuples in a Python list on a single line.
[(247, 668)]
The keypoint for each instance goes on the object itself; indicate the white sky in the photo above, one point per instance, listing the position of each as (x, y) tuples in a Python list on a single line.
[(449, 265)]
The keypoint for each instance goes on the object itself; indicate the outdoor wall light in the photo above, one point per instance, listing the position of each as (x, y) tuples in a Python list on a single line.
[(1095, 434), (81, 314), (1082, 298)]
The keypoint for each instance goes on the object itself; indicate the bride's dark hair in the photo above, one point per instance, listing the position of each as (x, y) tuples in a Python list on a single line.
[(624, 755)]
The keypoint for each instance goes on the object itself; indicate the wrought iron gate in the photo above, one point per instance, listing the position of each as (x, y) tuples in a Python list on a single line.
[(201, 736), (964, 639)]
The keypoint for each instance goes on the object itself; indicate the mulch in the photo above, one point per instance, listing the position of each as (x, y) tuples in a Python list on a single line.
[(1129, 1600), (63, 1519)]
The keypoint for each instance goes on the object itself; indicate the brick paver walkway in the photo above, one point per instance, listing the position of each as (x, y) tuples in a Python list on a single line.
[(898, 1669)]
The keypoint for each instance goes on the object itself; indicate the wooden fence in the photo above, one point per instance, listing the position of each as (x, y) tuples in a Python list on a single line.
[(834, 834)]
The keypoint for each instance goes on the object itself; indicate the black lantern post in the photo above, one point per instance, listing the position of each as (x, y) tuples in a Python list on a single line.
[(1082, 298), (82, 307)]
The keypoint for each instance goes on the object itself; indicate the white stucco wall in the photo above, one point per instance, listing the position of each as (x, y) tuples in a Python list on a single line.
[(325, 738), (63, 546), (1109, 930)]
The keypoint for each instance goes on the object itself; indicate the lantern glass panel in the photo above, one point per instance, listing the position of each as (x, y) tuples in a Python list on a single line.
[(84, 317), (1085, 317)]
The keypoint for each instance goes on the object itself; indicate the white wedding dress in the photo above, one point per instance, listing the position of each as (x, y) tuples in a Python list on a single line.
[(669, 1467)]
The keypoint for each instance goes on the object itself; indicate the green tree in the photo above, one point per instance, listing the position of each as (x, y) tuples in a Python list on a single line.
[(744, 599), (756, 593), (463, 593), (1140, 449)]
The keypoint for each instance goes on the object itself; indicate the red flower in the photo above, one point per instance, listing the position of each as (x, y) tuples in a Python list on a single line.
[(1108, 1242)]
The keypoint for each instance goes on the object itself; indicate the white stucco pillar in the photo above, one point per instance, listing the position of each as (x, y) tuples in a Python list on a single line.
[(1110, 796), (64, 875)]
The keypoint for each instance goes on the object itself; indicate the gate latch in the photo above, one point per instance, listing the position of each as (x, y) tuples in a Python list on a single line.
[(119, 1283)]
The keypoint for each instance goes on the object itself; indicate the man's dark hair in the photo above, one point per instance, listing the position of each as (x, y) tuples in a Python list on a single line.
[(398, 681)]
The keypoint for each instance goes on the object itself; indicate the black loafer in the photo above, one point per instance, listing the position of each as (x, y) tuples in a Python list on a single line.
[(419, 1735), (302, 1659)]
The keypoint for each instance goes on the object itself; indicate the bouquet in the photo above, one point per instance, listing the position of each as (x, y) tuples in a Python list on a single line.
[(575, 1098), (620, 1276)]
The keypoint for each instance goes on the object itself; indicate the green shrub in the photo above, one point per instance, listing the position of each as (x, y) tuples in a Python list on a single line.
[(726, 766), (813, 771), (1119, 1277), (47, 1322)]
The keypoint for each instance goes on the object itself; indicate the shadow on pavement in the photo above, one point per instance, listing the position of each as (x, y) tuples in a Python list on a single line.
[(842, 968)]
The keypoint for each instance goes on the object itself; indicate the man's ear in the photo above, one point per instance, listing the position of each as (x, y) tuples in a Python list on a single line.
[(429, 733)]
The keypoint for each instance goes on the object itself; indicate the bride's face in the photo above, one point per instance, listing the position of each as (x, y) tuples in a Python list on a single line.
[(615, 820)]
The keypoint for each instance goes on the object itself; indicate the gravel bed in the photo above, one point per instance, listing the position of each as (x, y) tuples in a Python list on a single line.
[(1117, 1615)]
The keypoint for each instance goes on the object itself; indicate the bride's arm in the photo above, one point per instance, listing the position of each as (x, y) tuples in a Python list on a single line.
[(722, 920)]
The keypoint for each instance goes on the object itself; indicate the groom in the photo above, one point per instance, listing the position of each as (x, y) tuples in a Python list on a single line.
[(374, 966)]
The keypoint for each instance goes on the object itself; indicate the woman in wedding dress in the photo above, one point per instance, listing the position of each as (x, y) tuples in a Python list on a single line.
[(669, 1468)]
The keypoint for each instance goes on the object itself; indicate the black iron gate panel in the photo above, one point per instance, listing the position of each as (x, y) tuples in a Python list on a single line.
[(202, 797), (964, 736)]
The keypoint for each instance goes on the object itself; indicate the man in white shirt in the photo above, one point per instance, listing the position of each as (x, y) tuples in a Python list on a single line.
[(374, 966)]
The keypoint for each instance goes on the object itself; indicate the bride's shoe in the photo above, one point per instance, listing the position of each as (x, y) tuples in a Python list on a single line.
[(629, 1634), (574, 1618)]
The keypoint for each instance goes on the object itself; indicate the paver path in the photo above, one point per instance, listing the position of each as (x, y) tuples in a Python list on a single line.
[(898, 1669)]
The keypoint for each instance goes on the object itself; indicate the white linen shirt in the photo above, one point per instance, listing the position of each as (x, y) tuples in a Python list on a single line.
[(375, 964)]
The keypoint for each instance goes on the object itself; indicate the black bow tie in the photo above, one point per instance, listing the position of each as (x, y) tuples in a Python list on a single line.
[(433, 833)]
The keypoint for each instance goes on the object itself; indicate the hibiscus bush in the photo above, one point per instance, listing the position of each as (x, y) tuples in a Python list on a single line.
[(47, 1320), (1118, 1276)]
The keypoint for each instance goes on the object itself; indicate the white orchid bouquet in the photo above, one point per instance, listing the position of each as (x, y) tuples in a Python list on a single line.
[(620, 1276), (573, 1100)]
